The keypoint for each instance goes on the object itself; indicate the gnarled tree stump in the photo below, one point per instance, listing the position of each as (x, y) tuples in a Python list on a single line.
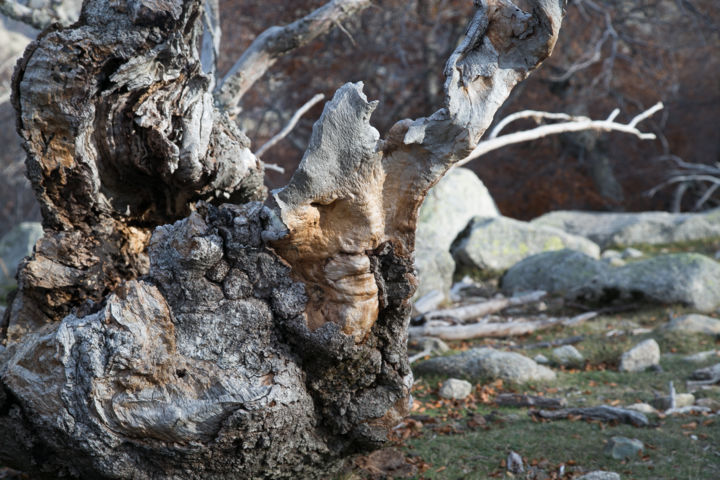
[(170, 325)]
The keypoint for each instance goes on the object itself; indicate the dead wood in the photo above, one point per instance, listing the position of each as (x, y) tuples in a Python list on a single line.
[(519, 400), (158, 334), (473, 311), (603, 413), (551, 344), (496, 329)]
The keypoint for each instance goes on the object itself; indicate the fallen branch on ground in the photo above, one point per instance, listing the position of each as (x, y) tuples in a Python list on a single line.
[(603, 413), (704, 376), (518, 400), (505, 329), (476, 310)]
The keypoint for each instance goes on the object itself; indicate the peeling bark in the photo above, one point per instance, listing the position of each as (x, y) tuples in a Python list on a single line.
[(155, 336), (121, 133)]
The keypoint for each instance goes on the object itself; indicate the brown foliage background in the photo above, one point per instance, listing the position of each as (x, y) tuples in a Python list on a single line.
[(647, 51)]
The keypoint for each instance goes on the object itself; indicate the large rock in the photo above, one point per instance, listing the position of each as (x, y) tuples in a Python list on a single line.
[(640, 357), (635, 228), (16, 245), (695, 323), (559, 272), (688, 278), (492, 245), (446, 211), (487, 363), (568, 355)]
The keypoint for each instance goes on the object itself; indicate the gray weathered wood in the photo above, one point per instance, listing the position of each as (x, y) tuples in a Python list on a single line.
[(156, 335), (603, 413), (463, 313), (519, 400)]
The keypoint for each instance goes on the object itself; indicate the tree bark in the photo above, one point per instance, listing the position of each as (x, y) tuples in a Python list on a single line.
[(159, 334)]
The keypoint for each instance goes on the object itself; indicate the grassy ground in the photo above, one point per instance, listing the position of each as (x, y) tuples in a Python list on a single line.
[(471, 439)]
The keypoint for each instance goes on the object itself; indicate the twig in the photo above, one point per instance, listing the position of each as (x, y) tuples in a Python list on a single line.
[(575, 124), (476, 310), (276, 42), (290, 125), (274, 167), (346, 32)]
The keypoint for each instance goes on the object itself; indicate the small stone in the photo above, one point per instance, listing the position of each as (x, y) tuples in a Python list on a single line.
[(455, 389), (621, 448), (645, 408), (632, 253), (610, 254), (710, 403), (600, 475), (541, 359), (515, 463), (433, 345), (695, 323), (640, 357), (568, 355)]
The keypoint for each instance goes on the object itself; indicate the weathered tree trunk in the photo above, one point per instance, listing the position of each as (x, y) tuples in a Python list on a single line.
[(240, 341)]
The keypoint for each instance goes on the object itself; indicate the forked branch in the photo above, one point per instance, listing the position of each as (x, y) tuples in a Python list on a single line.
[(569, 124)]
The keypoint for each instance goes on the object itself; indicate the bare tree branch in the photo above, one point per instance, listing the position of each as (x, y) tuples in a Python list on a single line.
[(689, 174), (574, 124), (278, 41), (290, 125), (210, 47)]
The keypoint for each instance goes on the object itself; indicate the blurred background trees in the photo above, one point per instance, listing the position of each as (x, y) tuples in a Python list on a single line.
[(613, 53)]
